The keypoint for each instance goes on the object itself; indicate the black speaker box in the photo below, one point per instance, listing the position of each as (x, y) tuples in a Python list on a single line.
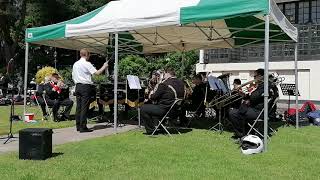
[(35, 143)]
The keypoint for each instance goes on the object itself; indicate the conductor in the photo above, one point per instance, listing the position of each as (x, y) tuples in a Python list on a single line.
[(81, 74)]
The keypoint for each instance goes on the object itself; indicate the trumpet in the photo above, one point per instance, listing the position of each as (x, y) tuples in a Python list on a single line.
[(230, 98)]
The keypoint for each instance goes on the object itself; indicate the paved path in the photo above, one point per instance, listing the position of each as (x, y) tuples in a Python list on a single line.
[(66, 135)]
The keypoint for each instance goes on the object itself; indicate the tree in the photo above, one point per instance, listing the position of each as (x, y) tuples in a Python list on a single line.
[(12, 14), (133, 65), (182, 62)]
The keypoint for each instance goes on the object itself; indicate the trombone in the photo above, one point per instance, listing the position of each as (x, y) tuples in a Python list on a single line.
[(229, 98)]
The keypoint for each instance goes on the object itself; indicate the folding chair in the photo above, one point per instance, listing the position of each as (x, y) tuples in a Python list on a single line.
[(49, 108), (173, 109), (259, 119), (36, 101), (49, 112), (194, 115)]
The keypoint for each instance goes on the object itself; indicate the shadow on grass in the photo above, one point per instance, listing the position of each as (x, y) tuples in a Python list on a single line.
[(100, 126), (56, 154), (181, 130), (207, 123)]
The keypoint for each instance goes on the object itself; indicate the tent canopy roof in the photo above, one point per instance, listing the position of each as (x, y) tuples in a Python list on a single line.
[(168, 25)]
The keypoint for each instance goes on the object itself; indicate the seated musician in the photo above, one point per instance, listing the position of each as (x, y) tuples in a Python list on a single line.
[(236, 85), (198, 95), (55, 95), (164, 96), (250, 108)]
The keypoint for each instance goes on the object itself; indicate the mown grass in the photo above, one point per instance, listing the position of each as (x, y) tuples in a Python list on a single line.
[(292, 154), (17, 125)]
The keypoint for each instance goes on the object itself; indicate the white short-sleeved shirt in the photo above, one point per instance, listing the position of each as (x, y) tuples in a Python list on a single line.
[(82, 71)]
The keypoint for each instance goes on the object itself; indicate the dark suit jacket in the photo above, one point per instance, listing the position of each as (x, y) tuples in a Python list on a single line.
[(165, 95)]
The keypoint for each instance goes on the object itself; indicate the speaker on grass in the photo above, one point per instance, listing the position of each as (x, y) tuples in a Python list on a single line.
[(35, 143)]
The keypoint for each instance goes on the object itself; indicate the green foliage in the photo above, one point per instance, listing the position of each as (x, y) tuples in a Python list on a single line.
[(99, 79), (182, 63), (133, 65), (66, 74)]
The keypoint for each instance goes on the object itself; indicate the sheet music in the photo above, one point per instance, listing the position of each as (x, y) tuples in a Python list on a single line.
[(134, 82), (216, 84), (289, 89)]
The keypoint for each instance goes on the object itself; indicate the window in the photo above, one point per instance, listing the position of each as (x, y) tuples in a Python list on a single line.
[(290, 12), (315, 11), (304, 12)]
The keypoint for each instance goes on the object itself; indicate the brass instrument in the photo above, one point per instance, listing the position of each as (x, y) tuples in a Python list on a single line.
[(188, 89), (230, 98), (153, 85)]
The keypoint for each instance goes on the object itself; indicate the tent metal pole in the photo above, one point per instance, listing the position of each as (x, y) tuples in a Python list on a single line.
[(25, 77), (115, 111), (296, 82), (201, 56), (266, 82)]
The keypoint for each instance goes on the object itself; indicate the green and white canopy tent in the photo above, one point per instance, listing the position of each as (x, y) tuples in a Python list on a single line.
[(169, 25)]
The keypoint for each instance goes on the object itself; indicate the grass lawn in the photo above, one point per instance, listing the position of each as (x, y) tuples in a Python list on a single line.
[(293, 154), (5, 114)]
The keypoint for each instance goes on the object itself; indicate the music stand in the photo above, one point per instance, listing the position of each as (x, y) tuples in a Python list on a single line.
[(289, 90), (134, 83), (216, 85)]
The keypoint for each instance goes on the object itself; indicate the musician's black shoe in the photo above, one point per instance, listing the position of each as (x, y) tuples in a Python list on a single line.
[(65, 117), (235, 137), (55, 119), (82, 130), (45, 117)]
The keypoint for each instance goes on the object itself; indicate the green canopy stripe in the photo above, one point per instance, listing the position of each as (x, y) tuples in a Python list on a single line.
[(244, 22), (222, 9), (56, 31)]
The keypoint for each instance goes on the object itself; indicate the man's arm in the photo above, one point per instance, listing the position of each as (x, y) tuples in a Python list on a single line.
[(257, 96), (101, 70)]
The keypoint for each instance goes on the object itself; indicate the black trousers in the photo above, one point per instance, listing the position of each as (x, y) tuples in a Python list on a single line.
[(150, 116), (68, 103), (240, 120), (55, 104), (84, 94)]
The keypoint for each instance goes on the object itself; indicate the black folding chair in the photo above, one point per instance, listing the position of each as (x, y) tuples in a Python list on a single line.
[(259, 119), (170, 115), (195, 114)]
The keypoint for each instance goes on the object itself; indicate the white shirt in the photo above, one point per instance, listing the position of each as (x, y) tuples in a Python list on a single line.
[(82, 71)]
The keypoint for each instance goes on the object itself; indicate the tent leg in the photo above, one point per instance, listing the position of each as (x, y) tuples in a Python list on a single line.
[(266, 82), (115, 112), (296, 82), (201, 56), (25, 78)]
